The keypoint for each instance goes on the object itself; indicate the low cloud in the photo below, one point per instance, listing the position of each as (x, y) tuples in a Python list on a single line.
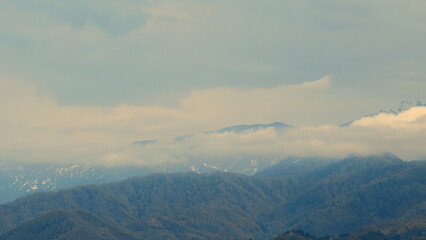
[(406, 141), (36, 128), (412, 119)]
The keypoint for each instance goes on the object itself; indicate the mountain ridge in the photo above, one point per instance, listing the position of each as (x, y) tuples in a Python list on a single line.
[(343, 196), (404, 106)]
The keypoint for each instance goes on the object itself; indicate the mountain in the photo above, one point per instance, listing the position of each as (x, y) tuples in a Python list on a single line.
[(407, 104), (402, 229), (277, 126), (351, 194), (253, 127), (19, 179), (405, 228), (145, 142), (162, 206), (68, 225), (295, 235), (295, 166), (247, 165), (371, 235), (404, 106), (344, 196)]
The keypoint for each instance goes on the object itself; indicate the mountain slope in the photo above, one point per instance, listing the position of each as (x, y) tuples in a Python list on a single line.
[(351, 195), (184, 204), (340, 197), (295, 166), (67, 225), (20, 179)]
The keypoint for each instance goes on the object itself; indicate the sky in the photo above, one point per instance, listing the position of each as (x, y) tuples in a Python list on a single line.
[(84, 79)]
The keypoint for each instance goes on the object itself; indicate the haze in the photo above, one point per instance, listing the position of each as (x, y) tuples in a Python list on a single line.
[(84, 80)]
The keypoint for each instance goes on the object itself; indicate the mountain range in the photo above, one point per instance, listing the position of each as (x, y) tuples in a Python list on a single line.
[(20, 179), (356, 195)]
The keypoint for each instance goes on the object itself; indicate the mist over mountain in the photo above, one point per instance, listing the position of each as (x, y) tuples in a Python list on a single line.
[(404, 106), (212, 120), (295, 166), (245, 149), (276, 126), (19, 179)]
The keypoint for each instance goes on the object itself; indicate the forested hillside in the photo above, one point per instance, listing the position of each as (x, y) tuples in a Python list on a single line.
[(351, 195)]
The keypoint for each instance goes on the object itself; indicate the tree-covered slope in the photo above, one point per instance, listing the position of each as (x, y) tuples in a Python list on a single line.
[(68, 225), (343, 196)]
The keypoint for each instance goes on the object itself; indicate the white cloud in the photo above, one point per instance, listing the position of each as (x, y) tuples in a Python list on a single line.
[(37, 128), (224, 149), (414, 118)]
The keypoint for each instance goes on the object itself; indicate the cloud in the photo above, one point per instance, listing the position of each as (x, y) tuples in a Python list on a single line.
[(116, 18), (139, 49), (268, 146), (36, 128), (413, 118)]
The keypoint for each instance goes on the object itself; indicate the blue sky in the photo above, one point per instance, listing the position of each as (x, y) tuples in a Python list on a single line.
[(86, 76)]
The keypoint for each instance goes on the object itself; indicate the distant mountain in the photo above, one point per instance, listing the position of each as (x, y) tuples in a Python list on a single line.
[(345, 196), (239, 129), (295, 166), (248, 165), (252, 127), (407, 104), (145, 142), (404, 106), (19, 179)]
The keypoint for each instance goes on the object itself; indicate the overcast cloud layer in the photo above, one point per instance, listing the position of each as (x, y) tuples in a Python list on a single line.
[(142, 51), (82, 80)]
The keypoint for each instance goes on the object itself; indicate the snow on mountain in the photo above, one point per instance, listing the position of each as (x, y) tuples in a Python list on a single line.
[(17, 180), (245, 165), (407, 104)]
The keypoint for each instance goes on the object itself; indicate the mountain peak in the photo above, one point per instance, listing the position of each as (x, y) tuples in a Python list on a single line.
[(252, 127), (407, 104), (145, 142), (404, 106), (240, 129), (385, 157)]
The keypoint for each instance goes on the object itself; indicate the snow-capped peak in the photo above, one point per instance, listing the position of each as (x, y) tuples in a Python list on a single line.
[(404, 106)]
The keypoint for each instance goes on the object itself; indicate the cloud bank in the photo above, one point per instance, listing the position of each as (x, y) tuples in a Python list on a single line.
[(403, 135), (132, 51), (36, 128)]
